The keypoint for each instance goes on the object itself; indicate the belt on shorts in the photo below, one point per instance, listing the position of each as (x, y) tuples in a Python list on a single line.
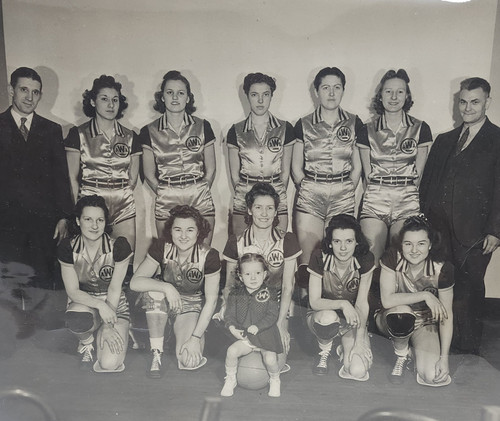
[(396, 180), (182, 180), (327, 178), (110, 184), (250, 179)]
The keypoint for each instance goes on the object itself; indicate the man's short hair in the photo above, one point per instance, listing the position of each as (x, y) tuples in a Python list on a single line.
[(475, 83), (24, 72)]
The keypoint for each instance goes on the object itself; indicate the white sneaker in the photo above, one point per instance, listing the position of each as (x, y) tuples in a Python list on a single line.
[(87, 352), (274, 387), (230, 383)]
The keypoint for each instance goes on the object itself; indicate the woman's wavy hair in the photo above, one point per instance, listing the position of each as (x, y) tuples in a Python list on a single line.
[(392, 74), (93, 201), (328, 71), (184, 212), (258, 77), (343, 221), (261, 189), (421, 223), (174, 75), (102, 82)]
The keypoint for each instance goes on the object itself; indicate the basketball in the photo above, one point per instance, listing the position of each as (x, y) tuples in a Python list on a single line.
[(252, 373)]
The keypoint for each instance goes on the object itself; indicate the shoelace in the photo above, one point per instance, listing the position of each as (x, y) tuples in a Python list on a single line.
[(156, 364), (323, 359), (86, 350), (399, 366)]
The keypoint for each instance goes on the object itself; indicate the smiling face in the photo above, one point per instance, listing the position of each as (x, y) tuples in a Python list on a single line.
[(259, 96), (25, 95), (343, 243), (107, 103), (175, 96), (263, 212), (394, 95), (92, 223), (415, 246), (184, 233), (473, 105), (252, 274), (330, 92)]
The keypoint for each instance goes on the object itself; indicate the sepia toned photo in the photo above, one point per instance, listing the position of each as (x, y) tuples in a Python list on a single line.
[(250, 210)]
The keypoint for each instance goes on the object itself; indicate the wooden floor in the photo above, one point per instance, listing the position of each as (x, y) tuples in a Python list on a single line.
[(46, 364)]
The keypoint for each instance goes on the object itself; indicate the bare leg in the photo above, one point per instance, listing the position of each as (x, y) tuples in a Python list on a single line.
[(375, 231), (160, 225), (310, 231), (183, 328), (109, 360), (125, 229)]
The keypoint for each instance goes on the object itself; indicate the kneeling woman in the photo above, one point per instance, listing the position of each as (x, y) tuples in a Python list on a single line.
[(416, 288), (185, 291), (93, 267), (340, 278)]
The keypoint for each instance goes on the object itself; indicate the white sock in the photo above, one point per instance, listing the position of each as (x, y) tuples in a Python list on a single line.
[(325, 347), (156, 343)]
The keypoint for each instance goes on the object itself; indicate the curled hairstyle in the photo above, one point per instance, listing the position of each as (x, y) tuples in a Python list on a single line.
[(475, 83), (392, 74), (253, 78), (102, 82), (93, 201), (343, 221), (184, 212), (261, 189), (248, 258), (328, 71), (174, 75), (421, 223), (24, 72)]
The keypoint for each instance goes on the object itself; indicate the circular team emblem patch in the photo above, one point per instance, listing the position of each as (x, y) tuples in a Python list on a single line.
[(121, 150), (275, 258), (353, 285), (193, 143), (432, 290), (274, 144), (194, 275), (262, 296), (408, 146), (344, 134), (106, 273)]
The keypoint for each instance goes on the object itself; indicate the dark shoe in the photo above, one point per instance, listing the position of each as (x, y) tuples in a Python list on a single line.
[(156, 368), (87, 352), (321, 363), (398, 371)]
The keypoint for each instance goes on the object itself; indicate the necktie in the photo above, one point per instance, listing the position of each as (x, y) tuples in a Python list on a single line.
[(461, 141), (23, 128)]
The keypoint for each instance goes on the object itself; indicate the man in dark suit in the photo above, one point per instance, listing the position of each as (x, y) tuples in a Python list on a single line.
[(460, 194), (34, 185)]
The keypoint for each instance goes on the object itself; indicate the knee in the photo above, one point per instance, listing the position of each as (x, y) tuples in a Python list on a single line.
[(400, 325), (232, 352), (326, 317), (356, 368), (109, 361), (326, 332), (427, 374), (79, 322)]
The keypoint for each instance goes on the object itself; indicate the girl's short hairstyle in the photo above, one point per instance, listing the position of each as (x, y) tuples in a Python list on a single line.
[(93, 201), (343, 221), (392, 74), (251, 257), (253, 78), (421, 223), (174, 75), (102, 82), (261, 189), (184, 212), (328, 71)]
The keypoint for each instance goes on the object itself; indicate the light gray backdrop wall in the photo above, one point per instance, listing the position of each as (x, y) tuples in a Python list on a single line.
[(215, 43)]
